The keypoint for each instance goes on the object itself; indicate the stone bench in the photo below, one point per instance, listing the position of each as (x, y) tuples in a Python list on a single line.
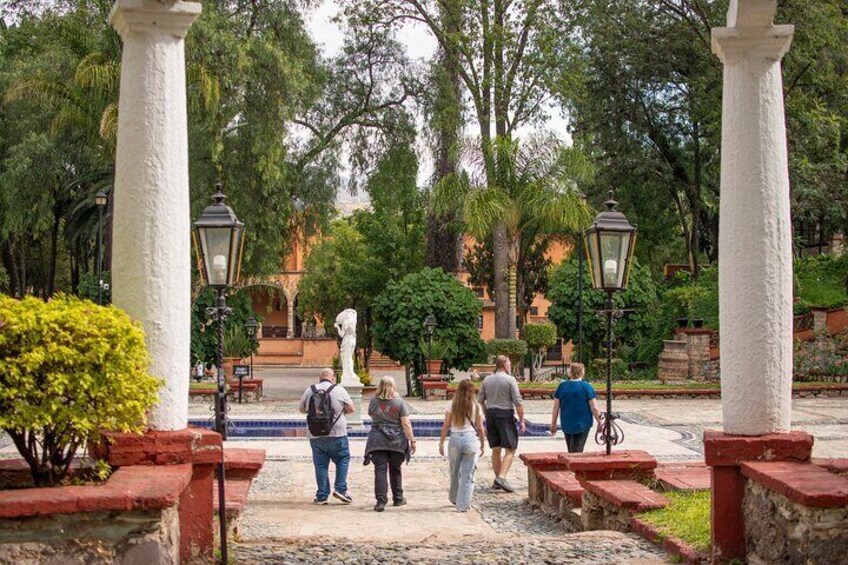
[(253, 385), (611, 504), (241, 466), (786, 498)]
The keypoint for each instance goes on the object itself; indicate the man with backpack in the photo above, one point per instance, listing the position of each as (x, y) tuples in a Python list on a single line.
[(325, 405)]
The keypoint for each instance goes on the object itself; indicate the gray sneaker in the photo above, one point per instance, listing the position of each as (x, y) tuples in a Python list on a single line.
[(504, 485)]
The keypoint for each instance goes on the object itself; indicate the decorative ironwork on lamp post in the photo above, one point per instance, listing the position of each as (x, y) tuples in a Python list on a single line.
[(218, 238), (100, 200), (610, 242), (429, 327)]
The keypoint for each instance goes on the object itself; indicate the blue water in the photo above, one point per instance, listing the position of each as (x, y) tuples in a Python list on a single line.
[(297, 428)]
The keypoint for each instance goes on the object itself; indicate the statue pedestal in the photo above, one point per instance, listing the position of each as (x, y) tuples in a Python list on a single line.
[(354, 389)]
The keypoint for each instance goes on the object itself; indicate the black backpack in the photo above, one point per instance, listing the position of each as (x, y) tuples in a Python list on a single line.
[(319, 415)]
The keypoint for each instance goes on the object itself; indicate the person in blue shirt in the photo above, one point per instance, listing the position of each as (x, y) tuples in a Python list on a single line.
[(575, 404)]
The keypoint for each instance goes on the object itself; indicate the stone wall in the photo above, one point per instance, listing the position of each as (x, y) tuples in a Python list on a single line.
[(600, 514), (123, 538), (781, 531)]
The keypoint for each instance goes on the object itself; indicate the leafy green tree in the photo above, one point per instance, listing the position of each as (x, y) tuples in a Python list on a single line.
[(494, 48), (539, 338), (539, 197), (360, 255), (643, 90), (400, 310), (639, 299), (204, 330)]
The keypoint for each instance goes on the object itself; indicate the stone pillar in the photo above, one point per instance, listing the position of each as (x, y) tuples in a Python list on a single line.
[(755, 274), (290, 308), (755, 245), (151, 257)]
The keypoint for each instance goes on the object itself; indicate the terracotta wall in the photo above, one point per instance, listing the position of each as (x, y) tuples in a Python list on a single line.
[(279, 346), (319, 352)]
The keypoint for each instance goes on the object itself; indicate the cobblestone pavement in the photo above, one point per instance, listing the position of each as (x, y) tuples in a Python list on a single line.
[(588, 548), (280, 525)]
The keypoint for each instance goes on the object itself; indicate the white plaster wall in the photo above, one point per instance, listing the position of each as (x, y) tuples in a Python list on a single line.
[(151, 251), (755, 247)]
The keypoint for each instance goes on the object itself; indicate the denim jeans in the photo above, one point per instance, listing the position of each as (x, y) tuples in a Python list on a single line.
[(324, 450), (462, 454)]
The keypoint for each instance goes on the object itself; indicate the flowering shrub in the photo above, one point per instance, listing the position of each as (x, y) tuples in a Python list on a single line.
[(69, 370)]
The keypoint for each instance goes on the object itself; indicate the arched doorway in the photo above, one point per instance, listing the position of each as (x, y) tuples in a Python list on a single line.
[(271, 306)]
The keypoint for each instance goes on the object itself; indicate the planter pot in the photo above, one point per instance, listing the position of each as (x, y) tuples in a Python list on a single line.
[(368, 391), (434, 366), (682, 322), (228, 365), (698, 323)]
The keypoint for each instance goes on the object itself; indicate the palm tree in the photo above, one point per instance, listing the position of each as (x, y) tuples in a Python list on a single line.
[(539, 197)]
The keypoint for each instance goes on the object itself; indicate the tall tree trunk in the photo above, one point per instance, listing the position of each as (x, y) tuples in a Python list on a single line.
[(11, 266), (54, 252), (444, 240), (504, 322)]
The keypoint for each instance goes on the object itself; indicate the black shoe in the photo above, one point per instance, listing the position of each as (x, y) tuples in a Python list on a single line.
[(379, 507), (496, 485), (344, 497), (401, 502)]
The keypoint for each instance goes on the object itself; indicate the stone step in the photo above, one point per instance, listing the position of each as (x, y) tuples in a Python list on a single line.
[(630, 495), (564, 483), (694, 476)]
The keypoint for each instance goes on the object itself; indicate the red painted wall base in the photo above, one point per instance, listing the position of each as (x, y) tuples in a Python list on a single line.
[(724, 454), (202, 449)]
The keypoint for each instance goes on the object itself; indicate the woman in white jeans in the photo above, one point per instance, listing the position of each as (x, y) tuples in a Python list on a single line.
[(464, 419)]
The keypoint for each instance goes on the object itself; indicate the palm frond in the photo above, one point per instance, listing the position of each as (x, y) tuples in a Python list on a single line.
[(485, 208), (449, 193), (109, 122), (99, 74)]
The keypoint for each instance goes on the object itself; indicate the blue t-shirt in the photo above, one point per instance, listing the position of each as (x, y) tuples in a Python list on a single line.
[(575, 416)]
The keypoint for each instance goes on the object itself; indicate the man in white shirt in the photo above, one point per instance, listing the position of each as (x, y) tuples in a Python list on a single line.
[(334, 446)]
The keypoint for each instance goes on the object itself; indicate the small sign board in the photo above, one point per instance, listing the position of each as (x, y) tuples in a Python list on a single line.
[(241, 371)]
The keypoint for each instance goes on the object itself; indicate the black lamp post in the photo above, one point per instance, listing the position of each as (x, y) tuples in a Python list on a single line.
[(610, 242), (429, 327), (100, 200), (218, 242), (251, 326)]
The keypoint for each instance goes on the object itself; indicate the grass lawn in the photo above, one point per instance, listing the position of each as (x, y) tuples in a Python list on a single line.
[(686, 518)]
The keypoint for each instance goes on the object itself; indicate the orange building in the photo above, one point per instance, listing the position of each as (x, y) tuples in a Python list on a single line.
[(286, 340)]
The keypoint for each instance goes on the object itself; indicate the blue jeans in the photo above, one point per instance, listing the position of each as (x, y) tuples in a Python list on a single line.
[(324, 450), (462, 454)]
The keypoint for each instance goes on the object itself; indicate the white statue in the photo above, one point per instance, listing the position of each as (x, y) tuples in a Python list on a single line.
[(346, 326)]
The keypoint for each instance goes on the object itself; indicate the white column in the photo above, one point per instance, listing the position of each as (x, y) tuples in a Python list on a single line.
[(755, 247), (151, 254)]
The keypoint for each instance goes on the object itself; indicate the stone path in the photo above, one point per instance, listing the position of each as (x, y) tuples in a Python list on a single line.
[(590, 548), (281, 525)]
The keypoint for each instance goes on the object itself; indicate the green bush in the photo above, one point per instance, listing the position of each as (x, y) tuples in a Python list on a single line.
[(236, 343), (822, 281), (436, 349), (640, 299), (540, 336), (69, 370), (204, 331), (399, 313), (515, 349)]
